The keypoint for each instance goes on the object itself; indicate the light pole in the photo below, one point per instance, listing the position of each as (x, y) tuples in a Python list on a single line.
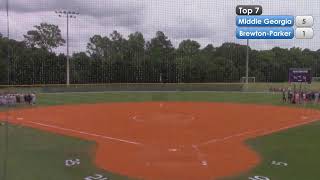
[(6, 123), (68, 15), (8, 35), (247, 63)]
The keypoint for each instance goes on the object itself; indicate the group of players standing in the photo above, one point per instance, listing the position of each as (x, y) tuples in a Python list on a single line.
[(300, 97), (14, 99)]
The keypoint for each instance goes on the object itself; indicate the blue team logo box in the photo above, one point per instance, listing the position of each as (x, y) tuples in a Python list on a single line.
[(265, 33), (265, 21)]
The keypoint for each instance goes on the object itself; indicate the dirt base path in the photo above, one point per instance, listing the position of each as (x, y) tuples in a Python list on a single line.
[(168, 141)]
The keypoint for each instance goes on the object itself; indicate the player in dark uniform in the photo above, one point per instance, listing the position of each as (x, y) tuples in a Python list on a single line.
[(18, 98), (284, 97), (290, 96)]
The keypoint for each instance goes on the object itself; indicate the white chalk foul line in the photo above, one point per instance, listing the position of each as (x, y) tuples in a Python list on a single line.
[(264, 132), (85, 133), (288, 127), (201, 156), (227, 138)]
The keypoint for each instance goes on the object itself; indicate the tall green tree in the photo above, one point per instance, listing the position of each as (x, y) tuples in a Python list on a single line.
[(117, 59), (160, 52), (45, 36), (136, 57), (99, 47), (189, 48), (188, 54)]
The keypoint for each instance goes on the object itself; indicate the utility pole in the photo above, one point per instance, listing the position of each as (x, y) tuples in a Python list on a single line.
[(68, 15)]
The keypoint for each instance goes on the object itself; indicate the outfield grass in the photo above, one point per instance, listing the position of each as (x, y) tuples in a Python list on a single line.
[(77, 98), (91, 98), (299, 148), (115, 87), (38, 155)]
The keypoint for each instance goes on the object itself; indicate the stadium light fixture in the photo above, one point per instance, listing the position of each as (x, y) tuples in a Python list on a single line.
[(68, 15)]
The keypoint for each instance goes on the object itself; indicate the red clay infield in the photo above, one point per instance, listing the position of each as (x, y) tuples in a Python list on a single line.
[(168, 141)]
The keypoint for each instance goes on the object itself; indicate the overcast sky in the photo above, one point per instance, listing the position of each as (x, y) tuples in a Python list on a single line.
[(206, 21)]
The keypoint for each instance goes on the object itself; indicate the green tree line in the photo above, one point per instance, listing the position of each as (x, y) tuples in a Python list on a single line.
[(132, 59)]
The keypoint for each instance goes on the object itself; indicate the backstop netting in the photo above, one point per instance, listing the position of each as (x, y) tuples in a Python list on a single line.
[(82, 47)]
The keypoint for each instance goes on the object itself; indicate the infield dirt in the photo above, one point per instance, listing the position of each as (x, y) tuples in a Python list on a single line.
[(172, 140)]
